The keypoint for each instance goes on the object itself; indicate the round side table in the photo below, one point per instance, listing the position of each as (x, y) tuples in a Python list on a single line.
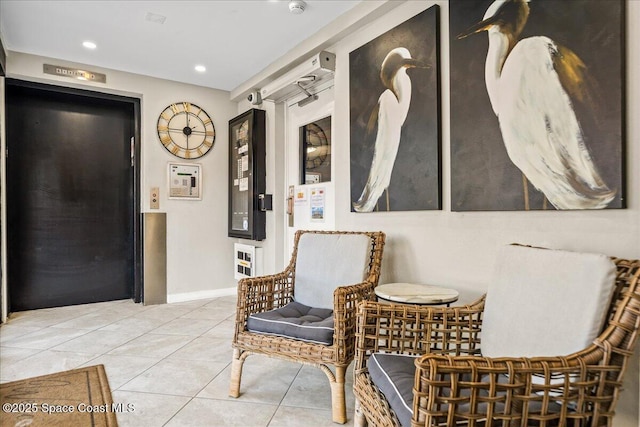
[(413, 293)]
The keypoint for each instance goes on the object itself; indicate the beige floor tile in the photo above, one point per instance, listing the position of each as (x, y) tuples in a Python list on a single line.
[(122, 369), (264, 380), (294, 417), (311, 389), (214, 315), (214, 413), (223, 329), (96, 342), (13, 354), (138, 325), (158, 374), (40, 319), (11, 331), (44, 338), (206, 348), (175, 377), (164, 312), (90, 321), (184, 326), (43, 363), (148, 410), (192, 304), (152, 345)]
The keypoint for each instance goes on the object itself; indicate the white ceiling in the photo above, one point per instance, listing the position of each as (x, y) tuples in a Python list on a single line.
[(234, 40)]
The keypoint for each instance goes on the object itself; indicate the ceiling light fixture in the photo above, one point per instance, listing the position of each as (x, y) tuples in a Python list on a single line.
[(297, 6), (89, 45), (200, 68)]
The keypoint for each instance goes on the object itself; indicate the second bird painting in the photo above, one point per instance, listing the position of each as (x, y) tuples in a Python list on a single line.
[(537, 106), (395, 118)]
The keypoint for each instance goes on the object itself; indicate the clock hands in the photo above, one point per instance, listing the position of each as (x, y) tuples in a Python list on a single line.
[(197, 132)]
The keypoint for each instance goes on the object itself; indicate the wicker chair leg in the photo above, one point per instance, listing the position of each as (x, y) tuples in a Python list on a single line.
[(338, 404), (359, 420), (236, 373)]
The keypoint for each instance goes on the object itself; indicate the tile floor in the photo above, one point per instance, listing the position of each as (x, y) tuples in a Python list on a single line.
[(170, 362)]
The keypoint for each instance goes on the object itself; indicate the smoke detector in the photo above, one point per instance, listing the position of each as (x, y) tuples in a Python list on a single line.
[(297, 6)]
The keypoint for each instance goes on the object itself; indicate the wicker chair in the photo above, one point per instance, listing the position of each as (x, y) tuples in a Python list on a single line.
[(453, 384), (262, 295)]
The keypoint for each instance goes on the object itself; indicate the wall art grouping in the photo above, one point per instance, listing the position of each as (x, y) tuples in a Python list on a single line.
[(395, 118), (537, 104)]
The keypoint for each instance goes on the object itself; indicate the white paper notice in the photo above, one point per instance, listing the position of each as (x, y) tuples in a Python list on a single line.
[(244, 184), (317, 204)]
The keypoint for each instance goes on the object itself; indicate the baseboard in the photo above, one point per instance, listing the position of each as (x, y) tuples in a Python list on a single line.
[(192, 296)]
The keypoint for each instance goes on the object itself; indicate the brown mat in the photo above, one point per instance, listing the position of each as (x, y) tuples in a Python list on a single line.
[(80, 397)]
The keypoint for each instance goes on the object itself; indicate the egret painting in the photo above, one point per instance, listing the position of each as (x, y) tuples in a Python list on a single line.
[(537, 104), (394, 117)]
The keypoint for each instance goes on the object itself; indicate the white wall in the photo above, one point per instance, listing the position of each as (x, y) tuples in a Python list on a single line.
[(199, 253), (457, 249)]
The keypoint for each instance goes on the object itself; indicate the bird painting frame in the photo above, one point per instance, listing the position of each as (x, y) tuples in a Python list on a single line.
[(500, 160), (395, 133)]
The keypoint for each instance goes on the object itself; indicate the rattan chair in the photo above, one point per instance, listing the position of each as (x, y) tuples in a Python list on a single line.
[(453, 384), (268, 293)]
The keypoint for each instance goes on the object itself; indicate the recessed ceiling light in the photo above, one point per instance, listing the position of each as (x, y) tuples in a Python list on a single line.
[(200, 68), (89, 45), (155, 18)]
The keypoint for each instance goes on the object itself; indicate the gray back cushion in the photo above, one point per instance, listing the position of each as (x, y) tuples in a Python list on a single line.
[(544, 302), (327, 261)]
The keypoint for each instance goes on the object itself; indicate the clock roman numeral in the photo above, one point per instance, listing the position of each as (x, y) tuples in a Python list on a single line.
[(187, 106), (175, 109), (175, 150), (206, 121), (165, 139)]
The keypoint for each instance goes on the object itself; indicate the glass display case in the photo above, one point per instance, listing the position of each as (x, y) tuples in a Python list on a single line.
[(247, 175)]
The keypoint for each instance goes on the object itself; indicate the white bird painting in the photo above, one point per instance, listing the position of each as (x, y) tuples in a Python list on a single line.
[(530, 83), (389, 116)]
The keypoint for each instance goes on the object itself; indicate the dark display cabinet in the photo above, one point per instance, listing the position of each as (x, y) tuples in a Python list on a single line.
[(247, 175)]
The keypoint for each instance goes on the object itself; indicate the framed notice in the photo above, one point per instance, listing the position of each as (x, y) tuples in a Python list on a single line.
[(247, 177), (185, 181)]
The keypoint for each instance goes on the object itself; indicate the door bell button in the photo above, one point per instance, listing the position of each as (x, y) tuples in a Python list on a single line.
[(155, 198)]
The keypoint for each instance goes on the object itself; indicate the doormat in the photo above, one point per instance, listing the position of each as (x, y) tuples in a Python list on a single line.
[(80, 397)]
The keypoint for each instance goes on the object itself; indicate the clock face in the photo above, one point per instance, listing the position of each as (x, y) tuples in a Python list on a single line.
[(186, 130), (317, 146)]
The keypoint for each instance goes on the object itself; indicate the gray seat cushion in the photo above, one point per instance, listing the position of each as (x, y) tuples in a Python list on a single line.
[(295, 320), (393, 374)]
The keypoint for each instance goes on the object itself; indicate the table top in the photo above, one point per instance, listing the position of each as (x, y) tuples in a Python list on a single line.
[(413, 293)]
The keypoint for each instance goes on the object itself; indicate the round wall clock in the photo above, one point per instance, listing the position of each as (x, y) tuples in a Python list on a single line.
[(186, 130), (317, 146)]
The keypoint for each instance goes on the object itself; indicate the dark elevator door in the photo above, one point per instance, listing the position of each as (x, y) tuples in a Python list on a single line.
[(70, 198)]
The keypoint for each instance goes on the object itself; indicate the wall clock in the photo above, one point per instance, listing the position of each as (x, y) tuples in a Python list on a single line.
[(317, 146), (186, 130)]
